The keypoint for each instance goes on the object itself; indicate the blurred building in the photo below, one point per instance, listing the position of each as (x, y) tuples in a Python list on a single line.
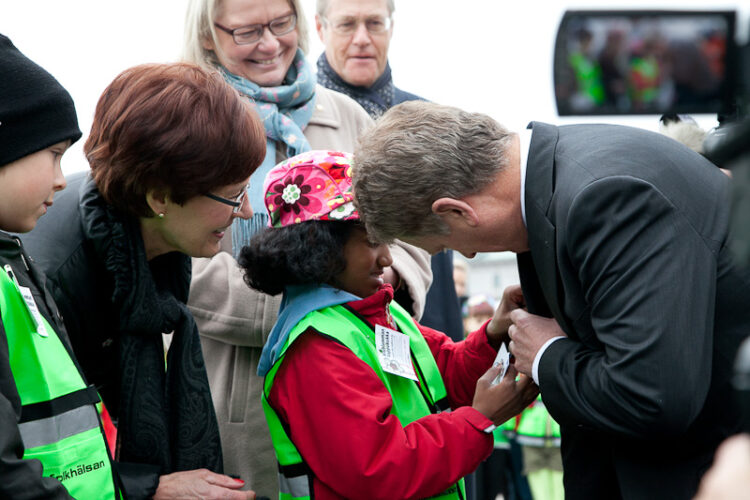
[(490, 273)]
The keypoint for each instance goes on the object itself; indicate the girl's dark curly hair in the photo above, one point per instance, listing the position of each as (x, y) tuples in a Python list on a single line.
[(310, 252)]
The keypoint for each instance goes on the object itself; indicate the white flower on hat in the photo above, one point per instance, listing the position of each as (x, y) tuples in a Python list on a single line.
[(291, 194), (342, 212)]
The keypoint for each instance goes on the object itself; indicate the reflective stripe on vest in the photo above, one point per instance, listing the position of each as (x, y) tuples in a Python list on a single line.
[(59, 424), (294, 487), (56, 428), (411, 401), (536, 427)]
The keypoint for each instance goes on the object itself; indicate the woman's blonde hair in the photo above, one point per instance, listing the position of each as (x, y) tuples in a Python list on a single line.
[(199, 27)]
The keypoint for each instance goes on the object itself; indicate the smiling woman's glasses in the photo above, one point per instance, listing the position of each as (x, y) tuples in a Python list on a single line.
[(236, 203), (253, 32)]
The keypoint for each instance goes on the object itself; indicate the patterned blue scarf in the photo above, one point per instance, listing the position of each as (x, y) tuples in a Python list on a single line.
[(285, 111)]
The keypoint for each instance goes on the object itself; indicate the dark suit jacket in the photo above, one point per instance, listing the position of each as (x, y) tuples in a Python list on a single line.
[(628, 252)]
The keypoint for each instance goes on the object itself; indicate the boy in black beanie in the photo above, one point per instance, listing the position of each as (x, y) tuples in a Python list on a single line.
[(51, 442)]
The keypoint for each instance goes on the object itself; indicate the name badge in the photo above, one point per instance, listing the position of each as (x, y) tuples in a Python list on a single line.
[(28, 298), (502, 359), (34, 310), (393, 352)]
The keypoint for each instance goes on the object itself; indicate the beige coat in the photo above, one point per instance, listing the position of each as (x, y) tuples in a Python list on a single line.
[(234, 320)]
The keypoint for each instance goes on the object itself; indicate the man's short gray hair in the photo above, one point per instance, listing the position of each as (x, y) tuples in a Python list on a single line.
[(321, 7), (416, 153)]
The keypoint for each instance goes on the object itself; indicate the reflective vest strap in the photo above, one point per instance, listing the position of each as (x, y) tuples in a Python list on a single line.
[(294, 487), (59, 405), (538, 442), (443, 405), (294, 470), (56, 428), (295, 480)]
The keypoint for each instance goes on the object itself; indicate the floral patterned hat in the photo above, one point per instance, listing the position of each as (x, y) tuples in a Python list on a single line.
[(315, 185)]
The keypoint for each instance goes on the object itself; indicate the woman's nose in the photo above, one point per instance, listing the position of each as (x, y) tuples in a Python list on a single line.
[(268, 40), (245, 210)]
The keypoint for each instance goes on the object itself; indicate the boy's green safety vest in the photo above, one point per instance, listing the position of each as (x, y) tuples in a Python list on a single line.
[(411, 401), (59, 423)]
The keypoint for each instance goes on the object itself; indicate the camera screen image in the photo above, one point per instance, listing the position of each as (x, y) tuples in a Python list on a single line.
[(644, 62)]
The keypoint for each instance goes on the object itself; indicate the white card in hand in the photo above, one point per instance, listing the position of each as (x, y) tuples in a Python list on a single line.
[(502, 359)]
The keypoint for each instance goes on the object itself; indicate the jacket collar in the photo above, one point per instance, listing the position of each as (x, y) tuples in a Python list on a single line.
[(325, 112), (540, 185)]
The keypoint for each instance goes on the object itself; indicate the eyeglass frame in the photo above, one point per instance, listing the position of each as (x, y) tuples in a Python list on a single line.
[(236, 204), (387, 21), (263, 28)]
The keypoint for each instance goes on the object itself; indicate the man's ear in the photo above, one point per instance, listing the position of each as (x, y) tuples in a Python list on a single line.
[(319, 28), (157, 201), (453, 210)]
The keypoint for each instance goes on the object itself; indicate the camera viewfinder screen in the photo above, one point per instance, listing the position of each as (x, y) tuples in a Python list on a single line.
[(647, 62)]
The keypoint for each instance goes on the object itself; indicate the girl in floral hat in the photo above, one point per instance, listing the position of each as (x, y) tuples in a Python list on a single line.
[(356, 393)]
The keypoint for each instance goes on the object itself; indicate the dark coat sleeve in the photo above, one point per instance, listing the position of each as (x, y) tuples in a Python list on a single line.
[(649, 282), (19, 479)]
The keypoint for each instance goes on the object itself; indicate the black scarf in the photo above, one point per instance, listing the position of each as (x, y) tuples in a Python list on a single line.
[(376, 99), (166, 417)]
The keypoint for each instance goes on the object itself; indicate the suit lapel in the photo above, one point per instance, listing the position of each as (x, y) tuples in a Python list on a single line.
[(542, 261)]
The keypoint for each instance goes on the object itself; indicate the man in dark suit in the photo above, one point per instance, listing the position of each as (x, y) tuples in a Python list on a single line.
[(633, 306)]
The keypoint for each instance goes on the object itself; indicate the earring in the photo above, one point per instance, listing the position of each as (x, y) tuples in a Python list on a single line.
[(161, 215)]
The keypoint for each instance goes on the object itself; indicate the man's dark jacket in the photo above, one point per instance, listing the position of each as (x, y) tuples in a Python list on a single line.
[(628, 236)]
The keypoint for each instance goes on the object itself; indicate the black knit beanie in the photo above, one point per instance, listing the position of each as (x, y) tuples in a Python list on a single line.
[(35, 110)]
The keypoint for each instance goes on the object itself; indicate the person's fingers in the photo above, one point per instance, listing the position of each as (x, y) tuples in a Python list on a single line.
[(511, 373), (524, 382), (224, 481), (518, 314), (491, 373), (240, 495)]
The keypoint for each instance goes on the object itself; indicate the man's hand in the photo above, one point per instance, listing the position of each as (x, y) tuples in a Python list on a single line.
[(528, 333), (497, 328), (201, 483)]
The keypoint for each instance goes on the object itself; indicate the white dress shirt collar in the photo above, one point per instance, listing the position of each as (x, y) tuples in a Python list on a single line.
[(525, 140)]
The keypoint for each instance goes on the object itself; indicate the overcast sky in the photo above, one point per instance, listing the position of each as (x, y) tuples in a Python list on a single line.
[(493, 56)]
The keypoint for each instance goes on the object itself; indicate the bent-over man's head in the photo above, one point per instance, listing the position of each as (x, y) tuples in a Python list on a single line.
[(418, 153)]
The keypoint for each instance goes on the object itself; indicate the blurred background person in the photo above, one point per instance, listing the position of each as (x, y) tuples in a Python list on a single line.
[(171, 150), (613, 62), (479, 308), (259, 47), (460, 279), (356, 35), (538, 435)]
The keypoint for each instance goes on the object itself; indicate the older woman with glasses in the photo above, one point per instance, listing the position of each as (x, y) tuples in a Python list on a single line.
[(259, 47), (171, 151)]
